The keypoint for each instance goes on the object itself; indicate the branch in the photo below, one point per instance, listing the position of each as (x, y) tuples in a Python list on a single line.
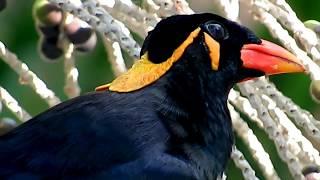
[(137, 19), (297, 143), (71, 87), (240, 161), (255, 147), (230, 8), (27, 76), (13, 105), (243, 104), (115, 57), (172, 7), (301, 117), (273, 131)]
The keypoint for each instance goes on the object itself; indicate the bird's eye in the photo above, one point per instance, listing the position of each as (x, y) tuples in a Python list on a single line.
[(216, 30)]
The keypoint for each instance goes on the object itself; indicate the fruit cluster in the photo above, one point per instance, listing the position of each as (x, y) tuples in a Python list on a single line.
[(54, 26)]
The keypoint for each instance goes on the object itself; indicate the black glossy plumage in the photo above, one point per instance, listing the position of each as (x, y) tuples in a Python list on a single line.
[(176, 128)]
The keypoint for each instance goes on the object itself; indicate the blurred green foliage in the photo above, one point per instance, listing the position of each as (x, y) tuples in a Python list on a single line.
[(17, 31)]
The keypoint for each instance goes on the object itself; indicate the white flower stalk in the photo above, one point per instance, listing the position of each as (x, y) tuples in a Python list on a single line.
[(137, 19), (297, 143), (27, 76), (121, 31), (71, 87), (230, 8), (97, 17), (301, 117), (240, 161), (243, 105), (13, 105), (171, 7), (254, 145), (273, 131), (150, 6), (115, 57), (284, 5)]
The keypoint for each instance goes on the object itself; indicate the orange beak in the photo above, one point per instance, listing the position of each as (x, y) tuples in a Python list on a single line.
[(270, 58)]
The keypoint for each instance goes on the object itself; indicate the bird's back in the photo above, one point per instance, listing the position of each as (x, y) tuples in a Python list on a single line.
[(75, 139)]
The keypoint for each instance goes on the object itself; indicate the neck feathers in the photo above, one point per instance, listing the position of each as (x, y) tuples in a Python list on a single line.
[(196, 115)]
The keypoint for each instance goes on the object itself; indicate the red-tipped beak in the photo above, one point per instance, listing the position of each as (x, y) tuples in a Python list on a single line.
[(270, 58)]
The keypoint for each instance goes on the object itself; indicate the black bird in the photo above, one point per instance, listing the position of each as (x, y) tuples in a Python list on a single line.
[(166, 118)]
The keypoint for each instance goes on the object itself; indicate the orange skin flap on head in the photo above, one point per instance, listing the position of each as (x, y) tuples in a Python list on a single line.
[(145, 72)]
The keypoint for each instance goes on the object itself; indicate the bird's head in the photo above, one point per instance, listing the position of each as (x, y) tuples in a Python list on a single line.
[(223, 45)]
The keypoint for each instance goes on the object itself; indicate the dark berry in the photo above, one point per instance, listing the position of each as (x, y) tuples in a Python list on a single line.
[(3, 4), (76, 33), (48, 14), (49, 31), (50, 49), (89, 45), (311, 172), (310, 169)]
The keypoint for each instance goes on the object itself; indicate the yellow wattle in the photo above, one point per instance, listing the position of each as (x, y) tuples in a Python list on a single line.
[(214, 51), (144, 72)]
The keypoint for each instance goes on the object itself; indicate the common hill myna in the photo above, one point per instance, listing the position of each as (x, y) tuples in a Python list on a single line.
[(166, 118)]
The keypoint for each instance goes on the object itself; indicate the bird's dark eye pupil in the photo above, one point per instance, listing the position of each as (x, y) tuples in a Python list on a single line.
[(216, 30)]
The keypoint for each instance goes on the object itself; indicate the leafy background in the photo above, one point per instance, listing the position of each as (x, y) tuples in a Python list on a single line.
[(18, 33)]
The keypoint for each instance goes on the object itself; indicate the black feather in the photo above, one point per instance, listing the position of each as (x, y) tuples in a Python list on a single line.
[(177, 128)]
